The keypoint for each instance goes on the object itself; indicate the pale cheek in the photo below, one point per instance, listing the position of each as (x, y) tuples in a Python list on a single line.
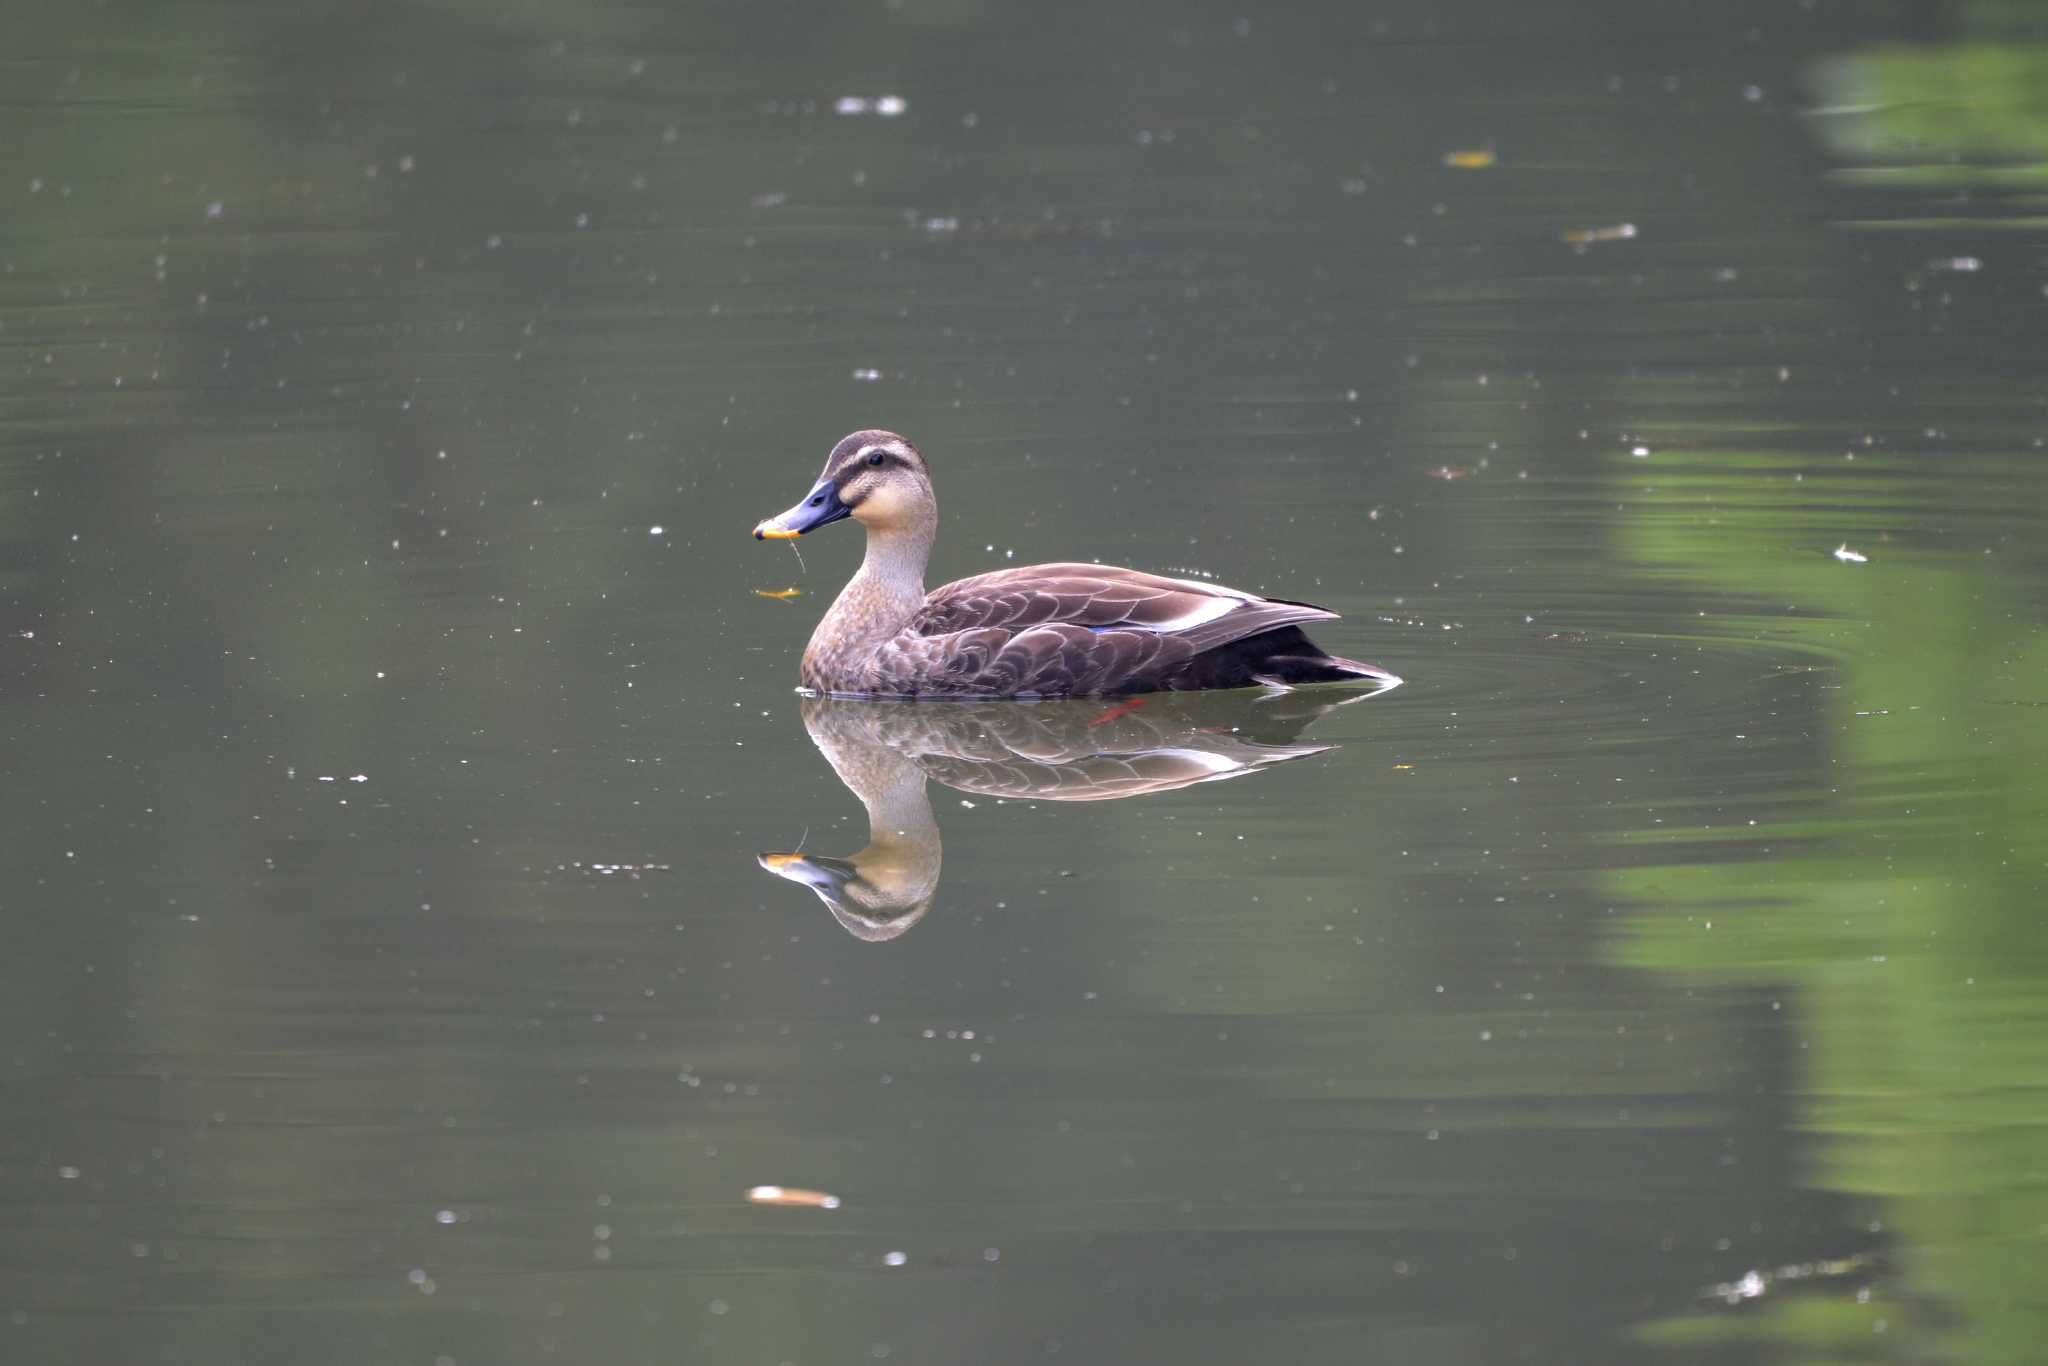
[(879, 508)]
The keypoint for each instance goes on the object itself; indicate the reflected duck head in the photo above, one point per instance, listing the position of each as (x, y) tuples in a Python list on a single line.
[(875, 895)]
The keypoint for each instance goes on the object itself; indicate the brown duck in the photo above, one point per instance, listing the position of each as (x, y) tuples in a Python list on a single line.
[(1046, 630)]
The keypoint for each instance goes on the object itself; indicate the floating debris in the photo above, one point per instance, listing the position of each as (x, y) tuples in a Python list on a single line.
[(1448, 472), (1618, 232), (1848, 556), (1755, 1283), (625, 870), (882, 106), (1471, 159), (779, 594), (792, 1197)]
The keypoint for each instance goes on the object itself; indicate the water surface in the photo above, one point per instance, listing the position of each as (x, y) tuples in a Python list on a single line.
[(394, 716)]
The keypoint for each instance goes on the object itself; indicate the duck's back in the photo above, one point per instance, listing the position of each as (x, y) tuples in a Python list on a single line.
[(1079, 629)]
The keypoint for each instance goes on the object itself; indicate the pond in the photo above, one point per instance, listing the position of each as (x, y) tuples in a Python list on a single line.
[(440, 933)]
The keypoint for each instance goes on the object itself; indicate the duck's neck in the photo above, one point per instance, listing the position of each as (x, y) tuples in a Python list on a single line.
[(892, 575), (876, 603), (903, 838)]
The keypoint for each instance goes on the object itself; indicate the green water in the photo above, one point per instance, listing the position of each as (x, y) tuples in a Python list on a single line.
[(393, 718)]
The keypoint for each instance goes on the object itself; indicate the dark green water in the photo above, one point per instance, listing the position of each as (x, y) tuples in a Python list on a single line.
[(390, 976)]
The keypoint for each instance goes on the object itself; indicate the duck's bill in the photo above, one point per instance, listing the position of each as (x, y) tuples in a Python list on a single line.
[(814, 871), (820, 506)]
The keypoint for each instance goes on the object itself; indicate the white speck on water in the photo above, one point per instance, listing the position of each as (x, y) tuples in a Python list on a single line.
[(656, 530), (215, 209), (895, 1258), (67, 1173), (1848, 556), (1640, 452), (890, 106), (445, 1216), (867, 376)]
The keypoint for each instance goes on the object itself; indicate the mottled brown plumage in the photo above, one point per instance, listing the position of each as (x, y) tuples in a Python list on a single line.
[(1047, 630)]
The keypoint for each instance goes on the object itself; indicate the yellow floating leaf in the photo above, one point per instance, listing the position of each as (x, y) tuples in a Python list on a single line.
[(779, 594), (1471, 159)]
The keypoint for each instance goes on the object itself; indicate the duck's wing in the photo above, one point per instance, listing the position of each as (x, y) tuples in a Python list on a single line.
[(1072, 628), (1099, 598)]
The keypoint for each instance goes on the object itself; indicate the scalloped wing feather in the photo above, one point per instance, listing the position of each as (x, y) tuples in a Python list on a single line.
[(1061, 629)]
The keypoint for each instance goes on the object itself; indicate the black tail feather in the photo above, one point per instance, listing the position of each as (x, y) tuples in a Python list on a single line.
[(1283, 657), (1289, 670)]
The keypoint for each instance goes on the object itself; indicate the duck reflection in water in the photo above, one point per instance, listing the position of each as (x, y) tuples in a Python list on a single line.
[(1066, 751)]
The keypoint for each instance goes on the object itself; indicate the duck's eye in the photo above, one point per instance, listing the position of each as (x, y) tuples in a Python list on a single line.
[(875, 457)]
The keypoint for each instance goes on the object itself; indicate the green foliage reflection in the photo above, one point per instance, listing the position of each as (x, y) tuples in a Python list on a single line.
[(1897, 906)]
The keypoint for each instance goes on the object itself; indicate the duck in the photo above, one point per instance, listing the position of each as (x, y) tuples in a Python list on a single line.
[(1042, 630), (1059, 751)]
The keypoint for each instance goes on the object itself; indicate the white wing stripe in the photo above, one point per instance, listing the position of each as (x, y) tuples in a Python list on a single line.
[(1215, 590), (1207, 610)]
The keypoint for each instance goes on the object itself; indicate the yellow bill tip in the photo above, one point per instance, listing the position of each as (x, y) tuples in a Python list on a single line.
[(777, 862), (768, 531)]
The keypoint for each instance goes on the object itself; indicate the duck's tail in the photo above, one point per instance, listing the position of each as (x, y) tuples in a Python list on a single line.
[(1289, 671)]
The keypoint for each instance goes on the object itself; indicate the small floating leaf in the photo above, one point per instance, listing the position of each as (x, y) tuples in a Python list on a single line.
[(779, 594), (793, 1197), (1617, 232), (1470, 159)]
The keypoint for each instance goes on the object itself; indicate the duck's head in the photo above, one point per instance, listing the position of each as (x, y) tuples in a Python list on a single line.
[(875, 477)]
